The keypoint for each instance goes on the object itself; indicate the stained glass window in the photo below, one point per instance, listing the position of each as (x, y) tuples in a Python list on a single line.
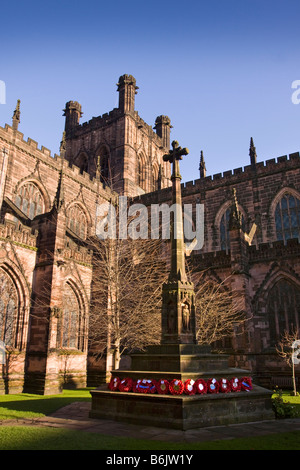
[(30, 200), (224, 229), (77, 221), (104, 166), (70, 320), (283, 309), (8, 308), (287, 218), (141, 174)]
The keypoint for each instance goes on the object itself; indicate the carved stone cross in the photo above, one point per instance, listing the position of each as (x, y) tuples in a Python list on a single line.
[(178, 309), (174, 156)]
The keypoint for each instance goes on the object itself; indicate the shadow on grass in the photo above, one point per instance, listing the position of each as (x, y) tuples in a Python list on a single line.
[(27, 405), (33, 438)]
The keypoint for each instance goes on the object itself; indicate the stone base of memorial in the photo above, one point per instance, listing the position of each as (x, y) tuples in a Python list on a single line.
[(148, 403)]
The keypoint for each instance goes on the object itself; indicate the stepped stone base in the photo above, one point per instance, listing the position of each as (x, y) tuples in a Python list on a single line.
[(181, 411)]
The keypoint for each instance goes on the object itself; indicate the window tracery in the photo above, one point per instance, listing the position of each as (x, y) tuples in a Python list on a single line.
[(30, 200), (287, 218), (76, 221), (283, 309)]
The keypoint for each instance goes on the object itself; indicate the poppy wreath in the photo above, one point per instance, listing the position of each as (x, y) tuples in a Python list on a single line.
[(145, 386), (235, 384), (189, 387), (246, 384), (162, 386), (176, 387), (201, 386), (126, 385), (224, 385), (114, 384), (213, 386)]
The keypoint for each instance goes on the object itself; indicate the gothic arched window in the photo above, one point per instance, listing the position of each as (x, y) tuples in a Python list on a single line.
[(155, 179), (104, 166), (283, 309), (8, 309), (82, 162), (287, 218), (76, 221), (224, 229), (141, 173), (69, 337), (30, 200)]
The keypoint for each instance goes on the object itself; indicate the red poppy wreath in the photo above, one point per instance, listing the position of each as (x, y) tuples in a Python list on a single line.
[(246, 384), (145, 386), (126, 385), (176, 387), (235, 384), (201, 386), (162, 386), (189, 387), (213, 386), (114, 384), (224, 386)]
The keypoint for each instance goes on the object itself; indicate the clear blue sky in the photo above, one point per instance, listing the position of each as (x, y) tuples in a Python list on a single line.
[(221, 70)]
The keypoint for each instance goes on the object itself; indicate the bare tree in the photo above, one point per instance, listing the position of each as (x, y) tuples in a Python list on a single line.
[(219, 311), (285, 350), (126, 295)]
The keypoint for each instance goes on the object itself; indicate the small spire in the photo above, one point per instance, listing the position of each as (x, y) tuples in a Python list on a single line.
[(59, 199), (235, 220), (62, 148), (202, 167), (252, 152), (16, 116)]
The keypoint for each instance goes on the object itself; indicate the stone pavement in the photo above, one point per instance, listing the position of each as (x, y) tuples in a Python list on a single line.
[(76, 416)]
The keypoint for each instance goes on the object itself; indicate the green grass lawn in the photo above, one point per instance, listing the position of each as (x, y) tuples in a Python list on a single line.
[(42, 438), (25, 405)]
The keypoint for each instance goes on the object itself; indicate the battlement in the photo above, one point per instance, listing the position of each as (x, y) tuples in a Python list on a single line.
[(96, 122), (274, 250), (18, 234), (31, 147), (107, 119), (77, 253), (214, 259), (243, 173)]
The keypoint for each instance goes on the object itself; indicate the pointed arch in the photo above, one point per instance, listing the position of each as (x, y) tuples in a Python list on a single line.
[(141, 171), (14, 306), (222, 224), (31, 197), (72, 325), (82, 161), (285, 215), (278, 301), (78, 220), (155, 176), (103, 161)]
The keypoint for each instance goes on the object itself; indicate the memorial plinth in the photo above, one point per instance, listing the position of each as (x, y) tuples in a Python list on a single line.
[(183, 412), (179, 357)]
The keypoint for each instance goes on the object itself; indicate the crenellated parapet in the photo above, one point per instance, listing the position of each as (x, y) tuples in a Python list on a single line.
[(274, 251), (237, 175), (18, 234), (79, 254)]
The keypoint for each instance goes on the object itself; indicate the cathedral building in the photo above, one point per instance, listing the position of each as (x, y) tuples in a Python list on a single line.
[(48, 209)]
